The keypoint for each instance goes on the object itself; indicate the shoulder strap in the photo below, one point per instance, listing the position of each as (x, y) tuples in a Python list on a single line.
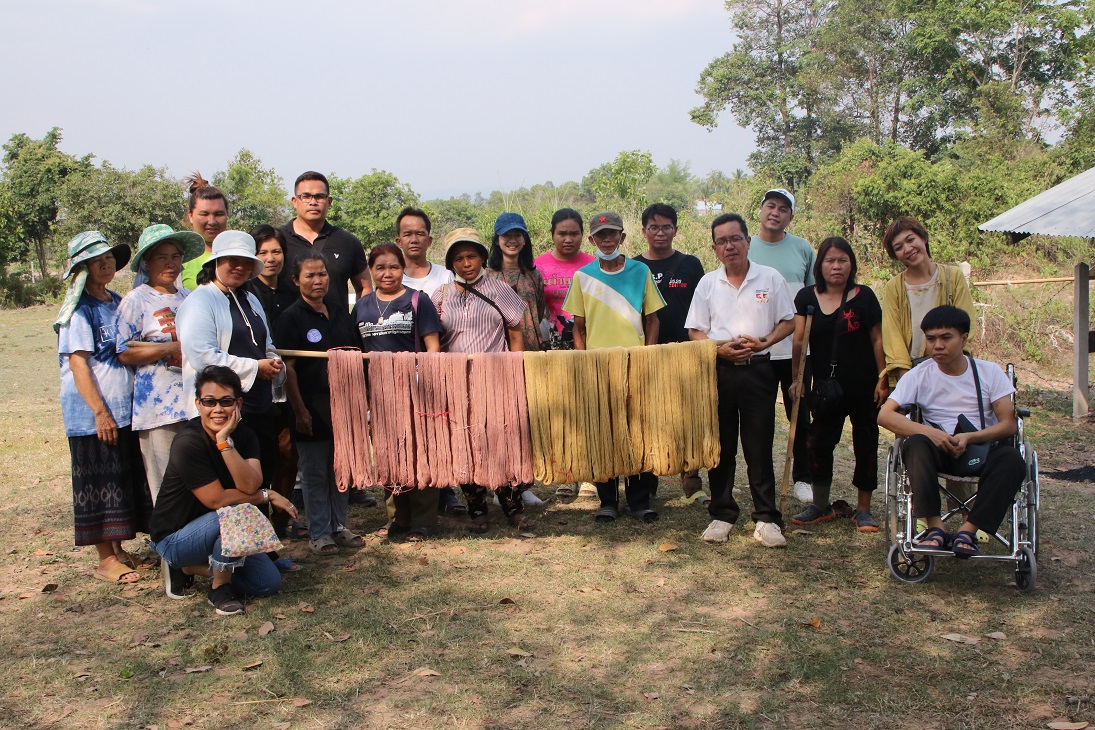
[(414, 315), (980, 398), (471, 288)]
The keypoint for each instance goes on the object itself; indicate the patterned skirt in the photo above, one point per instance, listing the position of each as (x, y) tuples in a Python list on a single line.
[(110, 497)]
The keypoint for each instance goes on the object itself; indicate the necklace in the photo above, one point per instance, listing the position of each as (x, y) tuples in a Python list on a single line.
[(381, 314)]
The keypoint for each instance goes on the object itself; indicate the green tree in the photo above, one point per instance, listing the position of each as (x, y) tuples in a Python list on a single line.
[(34, 172), (676, 185), (622, 182), (119, 202), (255, 193), (368, 206)]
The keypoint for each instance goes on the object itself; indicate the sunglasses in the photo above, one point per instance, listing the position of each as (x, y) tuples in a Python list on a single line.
[(210, 402)]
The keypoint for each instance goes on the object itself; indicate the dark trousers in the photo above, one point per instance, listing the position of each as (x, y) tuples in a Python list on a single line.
[(283, 478), (825, 435), (997, 485), (508, 497), (800, 468), (747, 394), (638, 489)]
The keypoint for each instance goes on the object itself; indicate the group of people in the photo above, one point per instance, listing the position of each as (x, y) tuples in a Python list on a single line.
[(155, 384)]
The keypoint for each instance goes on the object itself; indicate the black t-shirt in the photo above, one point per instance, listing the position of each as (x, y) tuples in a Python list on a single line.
[(193, 463), (856, 368), (273, 301), (390, 326), (344, 254), (249, 340), (676, 278), (303, 328)]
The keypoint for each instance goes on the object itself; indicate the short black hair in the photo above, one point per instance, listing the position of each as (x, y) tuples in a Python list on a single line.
[(220, 375), (839, 244), (264, 232), (663, 209), (412, 212), (299, 261), (946, 317), (567, 214), (729, 218), (311, 175)]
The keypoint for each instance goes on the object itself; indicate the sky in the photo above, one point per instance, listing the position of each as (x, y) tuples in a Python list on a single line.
[(457, 96)]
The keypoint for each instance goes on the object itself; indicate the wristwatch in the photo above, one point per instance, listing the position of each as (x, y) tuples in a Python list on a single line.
[(226, 445)]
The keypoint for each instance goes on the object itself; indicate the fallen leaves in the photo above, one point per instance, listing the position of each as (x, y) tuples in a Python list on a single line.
[(997, 635), (667, 547), (198, 670), (337, 639), (420, 673), (518, 651), (306, 608), (962, 639), (1064, 725), (252, 665), (266, 628), (50, 587)]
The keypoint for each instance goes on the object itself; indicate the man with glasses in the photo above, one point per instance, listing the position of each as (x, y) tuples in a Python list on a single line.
[(744, 307), (310, 231), (413, 236), (615, 304), (793, 257), (675, 274)]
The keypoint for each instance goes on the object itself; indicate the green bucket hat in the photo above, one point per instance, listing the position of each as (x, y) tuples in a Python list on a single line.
[(91, 244), (190, 243)]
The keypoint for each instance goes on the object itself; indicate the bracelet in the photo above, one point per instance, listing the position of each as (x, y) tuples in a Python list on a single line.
[(266, 496)]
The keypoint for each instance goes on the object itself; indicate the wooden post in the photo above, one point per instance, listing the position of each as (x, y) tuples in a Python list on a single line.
[(1081, 326)]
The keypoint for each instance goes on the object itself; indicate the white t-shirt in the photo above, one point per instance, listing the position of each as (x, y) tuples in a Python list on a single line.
[(438, 277), (921, 301), (723, 312), (149, 316), (942, 398)]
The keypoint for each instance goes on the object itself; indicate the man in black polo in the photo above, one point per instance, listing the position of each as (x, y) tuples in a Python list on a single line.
[(310, 231), (676, 275)]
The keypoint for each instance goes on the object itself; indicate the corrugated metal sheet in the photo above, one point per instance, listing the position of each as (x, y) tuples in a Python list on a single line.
[(1067, 209)]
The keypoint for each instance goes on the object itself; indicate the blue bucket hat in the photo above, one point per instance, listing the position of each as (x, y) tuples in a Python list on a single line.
[(508, 222), (92, 244)]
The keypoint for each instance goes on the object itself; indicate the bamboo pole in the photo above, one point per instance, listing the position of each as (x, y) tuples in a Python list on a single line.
[(789, 454)]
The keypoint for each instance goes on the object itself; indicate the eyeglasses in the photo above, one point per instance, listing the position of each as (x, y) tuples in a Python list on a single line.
[(728, 240), (661, 229), (318, 197), (210, 402)]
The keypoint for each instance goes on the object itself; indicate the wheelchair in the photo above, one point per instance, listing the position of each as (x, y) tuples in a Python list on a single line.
[(1016, 540)]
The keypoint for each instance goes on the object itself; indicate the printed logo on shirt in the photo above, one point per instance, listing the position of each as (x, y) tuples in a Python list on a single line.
[(335, 254), (762, 295), (314, 336), (165, 317), (851, 321), (108, 333), (677, 284)]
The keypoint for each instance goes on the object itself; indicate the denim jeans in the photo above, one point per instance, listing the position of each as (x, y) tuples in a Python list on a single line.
[(199, 542), (325, 506)]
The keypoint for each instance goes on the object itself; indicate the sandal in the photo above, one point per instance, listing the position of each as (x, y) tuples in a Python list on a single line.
[(565, 491), (606, 514), (138, 562), (417, 534), (117, 573), (298, 529), (521, 522), (345, 538), (478, 525), (323, 546), (646, 515), (937, 536), (964, 544)]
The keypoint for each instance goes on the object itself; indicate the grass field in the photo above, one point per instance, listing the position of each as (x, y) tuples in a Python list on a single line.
[(625, 626)]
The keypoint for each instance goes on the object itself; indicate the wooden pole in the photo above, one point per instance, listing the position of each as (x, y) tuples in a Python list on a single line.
[(1015, 282), (790, 453), (1081, 327)]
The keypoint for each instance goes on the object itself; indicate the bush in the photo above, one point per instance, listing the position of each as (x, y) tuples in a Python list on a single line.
[(17, 290)]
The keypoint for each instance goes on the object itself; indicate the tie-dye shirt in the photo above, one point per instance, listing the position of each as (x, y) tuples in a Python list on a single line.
[(92, 329), (148, 315)]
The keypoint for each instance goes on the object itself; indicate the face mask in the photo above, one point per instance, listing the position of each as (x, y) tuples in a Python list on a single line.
[(457, 277), (608, 256)]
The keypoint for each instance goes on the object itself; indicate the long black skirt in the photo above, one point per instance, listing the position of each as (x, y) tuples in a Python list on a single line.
[(110, 496)]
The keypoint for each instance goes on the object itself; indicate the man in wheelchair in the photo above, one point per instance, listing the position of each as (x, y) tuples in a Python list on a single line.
[(952, 391)]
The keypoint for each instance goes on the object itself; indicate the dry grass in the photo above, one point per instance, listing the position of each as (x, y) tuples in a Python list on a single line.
[(620, 633)]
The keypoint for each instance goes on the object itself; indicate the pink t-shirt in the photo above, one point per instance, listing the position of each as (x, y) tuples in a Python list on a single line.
[(557, 276)]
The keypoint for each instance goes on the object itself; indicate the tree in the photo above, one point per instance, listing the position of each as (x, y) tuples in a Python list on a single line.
[(255, 194), (368, 206), (674, 184), (34, 171), (622, 182), (119, 202)]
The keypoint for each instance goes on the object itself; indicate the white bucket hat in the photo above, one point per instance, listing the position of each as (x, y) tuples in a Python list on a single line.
[(239, 244)]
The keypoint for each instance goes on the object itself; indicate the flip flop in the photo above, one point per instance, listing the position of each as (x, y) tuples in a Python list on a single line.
[(345, 538), (606, 514), (285, 565), (138, 562), (417, 534), (646, 515), (521, 522), (478, 525), (117, 573), (323, 546)]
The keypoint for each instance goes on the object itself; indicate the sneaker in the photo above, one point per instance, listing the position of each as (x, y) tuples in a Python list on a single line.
[(530, 499), (864, 521), (361, 497), (804, 492), (768, 534), (223, 599), (176, 584), (717, 531), (813, 515), (587, 490), (495, 501)]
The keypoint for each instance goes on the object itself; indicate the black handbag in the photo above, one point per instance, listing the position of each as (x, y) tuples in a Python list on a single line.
[(827, 394), (972, 460)]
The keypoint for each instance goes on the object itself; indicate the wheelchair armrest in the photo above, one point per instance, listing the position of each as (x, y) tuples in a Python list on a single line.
[(911, 410), (1022, 412)]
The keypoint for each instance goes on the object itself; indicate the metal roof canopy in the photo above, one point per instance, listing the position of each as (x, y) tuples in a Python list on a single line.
[(1067, 209)]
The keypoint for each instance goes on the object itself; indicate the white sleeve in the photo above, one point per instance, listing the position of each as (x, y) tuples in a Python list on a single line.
[(994, 381), (699, 315)]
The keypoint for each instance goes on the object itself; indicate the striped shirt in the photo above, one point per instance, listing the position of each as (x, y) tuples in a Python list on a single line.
[(468, 324), (613, 303)]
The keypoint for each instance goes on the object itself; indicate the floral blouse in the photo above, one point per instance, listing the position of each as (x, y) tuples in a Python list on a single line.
[(529, 285)]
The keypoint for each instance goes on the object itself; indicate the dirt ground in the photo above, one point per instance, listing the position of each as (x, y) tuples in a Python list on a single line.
[(620, 626)]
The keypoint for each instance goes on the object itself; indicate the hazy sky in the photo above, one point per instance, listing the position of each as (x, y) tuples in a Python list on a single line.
[(451, 96)]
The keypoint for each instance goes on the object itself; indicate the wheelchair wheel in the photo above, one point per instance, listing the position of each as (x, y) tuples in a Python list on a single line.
[(910, 568), (1026, 570)]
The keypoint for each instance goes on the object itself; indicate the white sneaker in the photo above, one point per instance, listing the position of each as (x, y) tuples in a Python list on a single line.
[(804, 492), (496, 502), (530, 499), (768, 534), (717, 531)]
